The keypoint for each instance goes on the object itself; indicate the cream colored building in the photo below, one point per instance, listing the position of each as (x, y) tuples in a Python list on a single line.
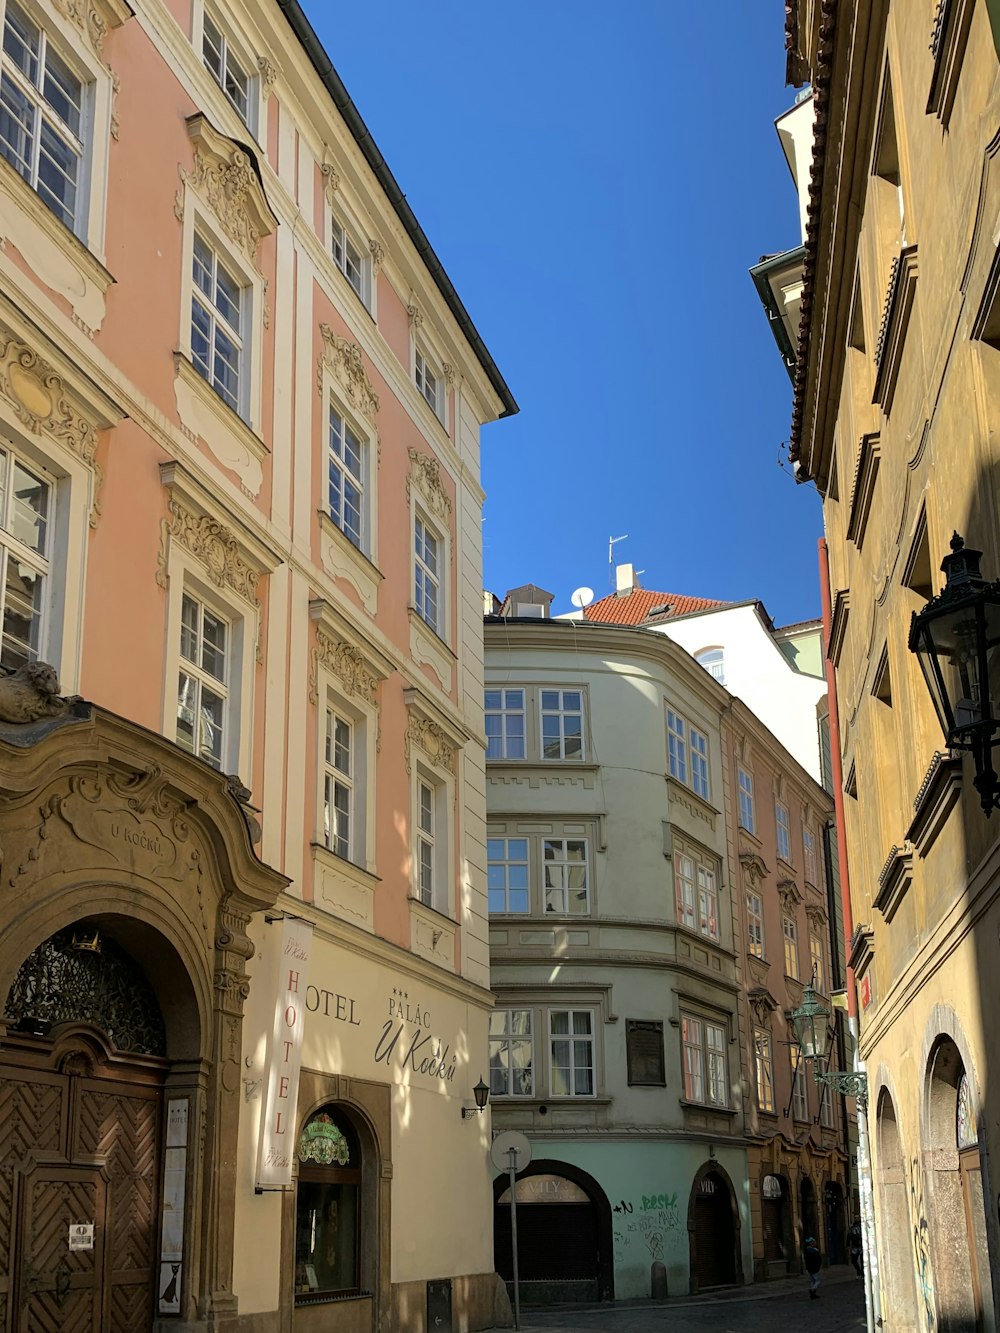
[(896, 392), (240, 514)]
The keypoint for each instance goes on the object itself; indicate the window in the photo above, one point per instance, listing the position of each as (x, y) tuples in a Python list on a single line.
[(713, 661), (42, 116), (784, 840), (505, 724), (571, 1035), (676, 747), (755, 925), (511, 1053), (644, 1053), (426, 870), (699, 763), (25, 520), (809, 854), (697, 896), (218, 307), (704, 1050), (791, 934), (562, 724), (816, 961), (328, 1207), (507, 871), (338, 785), (764, 1069), (348, 259), (429, 383), (826, 1108), (746, 801), (347, 478), (427, 575), (202, 689), (226, 69), (800, 1090), (566, 880)]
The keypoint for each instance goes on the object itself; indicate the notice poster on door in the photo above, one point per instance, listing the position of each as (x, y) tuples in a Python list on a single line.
[(284, 1057), (81, 1235), (172, 1207)]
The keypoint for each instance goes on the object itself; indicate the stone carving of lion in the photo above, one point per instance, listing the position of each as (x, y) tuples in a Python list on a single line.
[(30, 693)]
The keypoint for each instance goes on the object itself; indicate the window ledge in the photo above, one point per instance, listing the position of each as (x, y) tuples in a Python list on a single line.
[(894, 880), (556, 1100), (323, 853), (709, 940), (204, 415), (707, 1106), (429, 649), (787, 867), (549, 765), (934, 802), (432, 934), (751, 838), (895, 321), (948, 41), (342, 888), (53, 252), (343, 560), (700, 803)]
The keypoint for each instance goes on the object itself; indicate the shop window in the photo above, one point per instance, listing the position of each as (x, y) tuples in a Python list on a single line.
[(328, 1210)]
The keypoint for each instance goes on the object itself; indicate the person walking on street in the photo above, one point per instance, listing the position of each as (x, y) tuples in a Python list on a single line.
[(856, 1247), (814, 1263)]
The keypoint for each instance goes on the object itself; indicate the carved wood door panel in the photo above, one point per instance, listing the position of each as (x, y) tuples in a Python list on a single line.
[(59, 1289), (121, 1127)]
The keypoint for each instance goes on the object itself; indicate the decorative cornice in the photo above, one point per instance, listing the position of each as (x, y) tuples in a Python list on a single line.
[(430, 738), (347, 663), (95, 17), (894, 879), (268, 72), (425, 474), (763, 1004), (937, 796), (448, 371), (865, 475), (343, 358), (838, 624), (331, 176), (377, 253), (788, 892), (895, 321), (753, 865), (861, 950), (212, 544), (816, 916), (415, 315), (228, 182), (37, 394), (949, 37)]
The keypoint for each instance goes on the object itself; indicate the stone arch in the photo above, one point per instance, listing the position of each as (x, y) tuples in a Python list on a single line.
[(544, 1166), (727, 1235), (899, 1244)]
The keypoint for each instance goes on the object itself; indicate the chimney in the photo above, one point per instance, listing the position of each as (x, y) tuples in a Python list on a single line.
[(625, 580)]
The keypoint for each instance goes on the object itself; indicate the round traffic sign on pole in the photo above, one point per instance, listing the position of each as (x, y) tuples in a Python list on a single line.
[(511, 1140)]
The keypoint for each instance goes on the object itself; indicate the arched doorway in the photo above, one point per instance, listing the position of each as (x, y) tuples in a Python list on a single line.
[(713, 1230), (836, 1222), (962, 1292), (83, 1069), (776, 1221), (897, 1243), (808, 1217), (565, 1247)]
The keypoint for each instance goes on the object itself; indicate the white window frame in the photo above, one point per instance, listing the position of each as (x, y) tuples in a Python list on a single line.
[(198, 218), (677, 757), (426, 824), (701, 767), (747, 813), (506, 861), (232, 51), (826, 1107), (764, 1070), (586, 1041), (704, 1060), (783, 831), (790, 945), (337, 777), (441, 889), (502, 1039), (427, 368), (817, 960), (696, 891), (23, 553), (504, 711), (363, 482), (800, 1087), (344, 236), (688, 755), (755, 924), (96, 120), (566, 865), (437, 625), (204, 680), (235, 41), (204, 248), (809, 854), (562, 712), (712, 660)]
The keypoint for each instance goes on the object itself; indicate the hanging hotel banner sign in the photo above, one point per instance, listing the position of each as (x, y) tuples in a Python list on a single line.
[(284, 1057)]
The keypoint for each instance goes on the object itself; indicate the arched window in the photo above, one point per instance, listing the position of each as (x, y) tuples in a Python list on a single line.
[(712, 660), (328, 1209)]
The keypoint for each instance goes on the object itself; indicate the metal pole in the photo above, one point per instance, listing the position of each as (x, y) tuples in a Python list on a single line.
[(512, 1167), (873, 1292)]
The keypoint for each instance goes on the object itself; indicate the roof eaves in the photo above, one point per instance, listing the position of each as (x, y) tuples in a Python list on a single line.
[(331, 80)]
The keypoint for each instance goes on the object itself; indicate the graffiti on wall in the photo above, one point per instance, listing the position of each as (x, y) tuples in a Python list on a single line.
[(921, 1244), (650, 1219)]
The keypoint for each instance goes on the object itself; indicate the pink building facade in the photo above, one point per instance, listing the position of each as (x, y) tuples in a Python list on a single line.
[(240, 413)]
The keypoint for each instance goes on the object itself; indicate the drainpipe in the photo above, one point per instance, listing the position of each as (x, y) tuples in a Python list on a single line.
[(873, 1301)]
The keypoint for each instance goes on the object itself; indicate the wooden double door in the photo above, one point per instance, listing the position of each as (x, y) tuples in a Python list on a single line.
[(79, 1196)]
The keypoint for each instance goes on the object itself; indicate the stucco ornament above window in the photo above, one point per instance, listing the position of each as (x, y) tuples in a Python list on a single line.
[(94, 18), (347, 663), (425, 474), (321, 1141), (432, 739), (343, 359), (226, 179), (212, 544)]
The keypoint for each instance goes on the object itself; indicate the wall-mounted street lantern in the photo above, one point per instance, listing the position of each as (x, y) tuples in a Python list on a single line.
[(811, 1021), (481, 1093), (957, 640)]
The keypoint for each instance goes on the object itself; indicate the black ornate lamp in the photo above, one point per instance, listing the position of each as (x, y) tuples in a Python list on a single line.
[(481, 1092), (956, 638), (811, 1021)]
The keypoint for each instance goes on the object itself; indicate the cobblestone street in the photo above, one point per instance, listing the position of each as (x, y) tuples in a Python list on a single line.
[(761, 1309)]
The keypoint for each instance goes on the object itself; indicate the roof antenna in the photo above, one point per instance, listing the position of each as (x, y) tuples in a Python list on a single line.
[(611, 556)]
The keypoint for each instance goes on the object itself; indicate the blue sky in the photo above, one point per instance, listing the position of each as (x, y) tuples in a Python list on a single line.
[(597, 179)]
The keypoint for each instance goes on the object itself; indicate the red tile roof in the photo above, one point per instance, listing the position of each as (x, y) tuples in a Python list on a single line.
[(635, 609)]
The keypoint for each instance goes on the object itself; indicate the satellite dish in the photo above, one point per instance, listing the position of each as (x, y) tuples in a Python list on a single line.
[(582, 597)]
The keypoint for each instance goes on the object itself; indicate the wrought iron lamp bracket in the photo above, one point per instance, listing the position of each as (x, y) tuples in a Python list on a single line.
[(846, 1084)]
